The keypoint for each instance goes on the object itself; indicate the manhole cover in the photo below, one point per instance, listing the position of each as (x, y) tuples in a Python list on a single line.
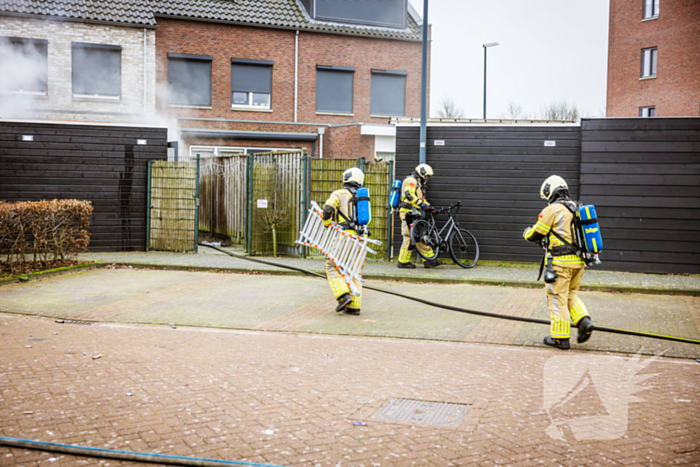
[(422, 412)]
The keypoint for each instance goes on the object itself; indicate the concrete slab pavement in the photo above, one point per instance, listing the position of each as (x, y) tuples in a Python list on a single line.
[(291, 399), (486, 273), (305, 304)]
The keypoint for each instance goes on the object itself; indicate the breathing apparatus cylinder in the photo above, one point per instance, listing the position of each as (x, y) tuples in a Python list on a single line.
[(395, 194), (590, 229), (364, 210)]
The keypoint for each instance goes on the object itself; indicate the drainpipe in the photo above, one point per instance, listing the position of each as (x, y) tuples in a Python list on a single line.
[(296, 73), (145, 70)]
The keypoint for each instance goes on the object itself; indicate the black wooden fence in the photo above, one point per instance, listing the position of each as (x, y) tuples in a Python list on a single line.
[(104, 164), (643, 177)]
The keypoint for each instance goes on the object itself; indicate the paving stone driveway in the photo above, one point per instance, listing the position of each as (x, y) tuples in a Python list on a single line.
[(291, 398)]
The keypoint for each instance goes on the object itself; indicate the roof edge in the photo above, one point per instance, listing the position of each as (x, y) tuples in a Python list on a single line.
[(77, 20), (285, 28)]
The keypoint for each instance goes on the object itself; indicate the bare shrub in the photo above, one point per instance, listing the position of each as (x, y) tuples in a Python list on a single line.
[(48, 230)]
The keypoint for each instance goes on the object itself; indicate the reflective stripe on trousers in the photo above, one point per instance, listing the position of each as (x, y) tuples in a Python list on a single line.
[(564, 304)]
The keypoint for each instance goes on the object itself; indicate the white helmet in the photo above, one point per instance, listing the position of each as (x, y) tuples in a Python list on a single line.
[(424, 171), (354, 175), (550, 186)]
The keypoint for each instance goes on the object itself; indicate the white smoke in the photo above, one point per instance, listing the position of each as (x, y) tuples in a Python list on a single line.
[(23, 76)]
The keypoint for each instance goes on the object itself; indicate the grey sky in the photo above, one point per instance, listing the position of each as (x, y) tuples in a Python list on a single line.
[(550, 51)]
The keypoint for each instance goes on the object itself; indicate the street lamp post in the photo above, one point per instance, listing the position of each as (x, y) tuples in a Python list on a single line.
[(486, 46)]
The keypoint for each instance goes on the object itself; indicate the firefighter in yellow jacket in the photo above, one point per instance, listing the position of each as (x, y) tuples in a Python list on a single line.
[(412, 203), (554, 229), (340, 209)]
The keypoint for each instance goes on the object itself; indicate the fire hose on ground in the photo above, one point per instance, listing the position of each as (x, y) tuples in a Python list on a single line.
[(685, 340)]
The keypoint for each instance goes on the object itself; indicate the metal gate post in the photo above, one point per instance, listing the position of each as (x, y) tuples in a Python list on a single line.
[(304, 195), (196, 211), (389, 215), (249, 204), (148, 210)]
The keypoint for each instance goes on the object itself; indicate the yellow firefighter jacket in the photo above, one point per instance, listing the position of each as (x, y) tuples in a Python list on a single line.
[(341, 202), (412, 195), (556, 217)]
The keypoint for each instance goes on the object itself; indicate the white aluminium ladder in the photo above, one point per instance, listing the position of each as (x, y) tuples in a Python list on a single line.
[(347, 251)]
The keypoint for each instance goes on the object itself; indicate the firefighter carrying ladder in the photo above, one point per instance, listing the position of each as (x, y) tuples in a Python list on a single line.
[(347, 251)]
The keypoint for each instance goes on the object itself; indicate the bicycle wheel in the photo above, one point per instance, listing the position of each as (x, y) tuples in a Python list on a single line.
[(463, 248), (423, 232)]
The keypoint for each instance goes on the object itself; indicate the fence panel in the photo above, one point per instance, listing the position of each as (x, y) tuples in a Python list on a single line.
[(643, 176), (277, 187), (172, 210), (222, 209), (496, 172), (100, 163), (327, 176), (378, 178)]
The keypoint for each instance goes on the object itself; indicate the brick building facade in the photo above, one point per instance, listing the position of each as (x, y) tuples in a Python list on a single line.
[(226, 77), (654, 58), (292, 54)]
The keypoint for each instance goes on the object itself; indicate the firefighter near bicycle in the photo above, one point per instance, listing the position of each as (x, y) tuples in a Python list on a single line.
[(459, 243)]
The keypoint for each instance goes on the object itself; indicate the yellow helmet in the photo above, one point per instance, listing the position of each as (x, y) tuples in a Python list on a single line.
[(424, 171), (550, 186), (354, 175)]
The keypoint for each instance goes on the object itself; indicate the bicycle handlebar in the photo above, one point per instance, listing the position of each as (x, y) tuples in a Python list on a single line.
[(448, 209)]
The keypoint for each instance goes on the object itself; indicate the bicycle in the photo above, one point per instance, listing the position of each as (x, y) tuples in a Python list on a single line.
[(460, 243)]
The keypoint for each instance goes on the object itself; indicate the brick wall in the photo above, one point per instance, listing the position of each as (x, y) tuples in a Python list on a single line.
[(676, 33), (224, 42), (60, 34)]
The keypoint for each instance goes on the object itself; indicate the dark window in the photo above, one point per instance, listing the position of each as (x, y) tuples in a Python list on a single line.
[(189, 79), (390, 13), (24, 64), (651, 9), (251, 83), (647, 111), (388, 94), (649, 62), (97, 70), (334, 89)]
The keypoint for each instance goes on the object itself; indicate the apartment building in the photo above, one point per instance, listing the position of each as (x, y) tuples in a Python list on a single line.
[(654, 58)]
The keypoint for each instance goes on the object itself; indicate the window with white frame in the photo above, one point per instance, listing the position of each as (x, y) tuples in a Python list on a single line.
[(334, 89), (388, 93), (649, 62), (647, 111), (97, 70), (651, 9), (25, 65), (251, 84), (189, 80), (223, 151)]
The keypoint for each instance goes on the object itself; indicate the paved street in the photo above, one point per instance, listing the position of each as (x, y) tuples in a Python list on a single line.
[(260, 368), (291, 399)]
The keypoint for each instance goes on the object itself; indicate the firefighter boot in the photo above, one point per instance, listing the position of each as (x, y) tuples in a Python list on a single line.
[(352, 311), (406, 265), (585, 329), (343, 302), (562, 344), (433, 263)]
